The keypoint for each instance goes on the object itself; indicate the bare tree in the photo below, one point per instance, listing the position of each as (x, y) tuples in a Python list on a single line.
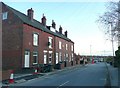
[(110, 20)]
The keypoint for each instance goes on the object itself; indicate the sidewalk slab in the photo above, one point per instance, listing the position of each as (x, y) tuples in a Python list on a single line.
[(113, 75)]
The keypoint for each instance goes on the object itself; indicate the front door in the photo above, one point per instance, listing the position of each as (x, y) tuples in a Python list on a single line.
[(45, 58), (27, 59)]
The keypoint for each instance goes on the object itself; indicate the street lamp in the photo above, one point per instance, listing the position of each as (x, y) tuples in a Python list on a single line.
[(112, 38)]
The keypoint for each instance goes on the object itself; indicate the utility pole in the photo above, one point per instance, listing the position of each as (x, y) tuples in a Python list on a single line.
[(112, 38)]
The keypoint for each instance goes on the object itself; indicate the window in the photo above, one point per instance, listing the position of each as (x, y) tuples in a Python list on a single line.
[(56, 58), (71, 47), (35, 57), (4, 15), (60, 57), (66, 57), (66, 46), (35, 39), (50, 42), (60, 45), (45, 58), (50, 57), (70, 59)]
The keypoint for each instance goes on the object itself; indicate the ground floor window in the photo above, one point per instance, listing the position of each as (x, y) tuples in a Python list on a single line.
[(72, 56), (45, 59), (56, 58), (60, 56), (66, 57), (35, 57), (50, 57), (70, 59)]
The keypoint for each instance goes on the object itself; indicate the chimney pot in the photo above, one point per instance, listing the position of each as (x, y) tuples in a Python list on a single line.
[(53, 24), (43, 20), (60, 30), (66, 33), (30, 13)]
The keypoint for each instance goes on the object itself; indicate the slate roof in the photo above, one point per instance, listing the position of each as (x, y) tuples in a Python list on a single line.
[(36, 24)]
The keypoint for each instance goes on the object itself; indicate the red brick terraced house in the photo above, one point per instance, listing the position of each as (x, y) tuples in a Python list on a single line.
[(27, 43)]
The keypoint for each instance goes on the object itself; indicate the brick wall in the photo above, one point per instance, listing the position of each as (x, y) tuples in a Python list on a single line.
[(63, 49), (42, 45), (11, 41)]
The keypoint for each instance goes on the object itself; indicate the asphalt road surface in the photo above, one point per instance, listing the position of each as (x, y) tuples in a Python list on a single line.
[(90, 75)]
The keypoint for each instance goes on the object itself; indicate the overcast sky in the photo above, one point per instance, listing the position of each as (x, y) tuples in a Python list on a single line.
[(78, 18)]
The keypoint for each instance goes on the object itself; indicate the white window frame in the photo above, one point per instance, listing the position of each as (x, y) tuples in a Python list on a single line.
[(35, 39), (60, 45), (71, 47), (70, 59), (4, 15), (57, 60), (50, 57), (35, 54), (45, 56), (60, 56), (66, 57), (50, 39)]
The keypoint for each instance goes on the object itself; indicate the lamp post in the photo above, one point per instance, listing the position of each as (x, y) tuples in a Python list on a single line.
[(112, 39)]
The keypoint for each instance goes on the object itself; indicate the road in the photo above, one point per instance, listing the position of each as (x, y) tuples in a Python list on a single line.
[(90, 75)]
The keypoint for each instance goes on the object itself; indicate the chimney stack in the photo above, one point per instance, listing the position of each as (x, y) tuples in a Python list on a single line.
[(66, 33), (43, 20), (53, 24), (60, 30), (30, 13)]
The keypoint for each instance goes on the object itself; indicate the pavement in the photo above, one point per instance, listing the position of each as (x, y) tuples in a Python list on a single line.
[(113, 71), (91, 75), (19, 78)]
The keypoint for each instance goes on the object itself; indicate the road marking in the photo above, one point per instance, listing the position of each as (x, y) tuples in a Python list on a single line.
[(63, 84), (103, 79)]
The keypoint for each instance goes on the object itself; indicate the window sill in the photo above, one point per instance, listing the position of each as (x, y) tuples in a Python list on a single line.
[(35, 45), (35, 63), (50, 47)]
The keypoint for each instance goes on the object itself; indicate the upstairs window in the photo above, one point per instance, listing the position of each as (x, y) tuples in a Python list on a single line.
[(50, 42), (4, 15), (60, 45), (35, 39)]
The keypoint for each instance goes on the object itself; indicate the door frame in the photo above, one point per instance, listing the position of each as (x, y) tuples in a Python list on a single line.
[(25, 59)]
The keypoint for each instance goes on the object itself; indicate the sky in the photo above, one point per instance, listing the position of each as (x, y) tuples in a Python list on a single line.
[(78, 18)]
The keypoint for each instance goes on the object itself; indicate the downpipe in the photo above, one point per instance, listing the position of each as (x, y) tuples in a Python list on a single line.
[(108, 80)]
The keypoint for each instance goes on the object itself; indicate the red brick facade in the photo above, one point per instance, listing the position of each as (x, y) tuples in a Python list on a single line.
[(17, 43)]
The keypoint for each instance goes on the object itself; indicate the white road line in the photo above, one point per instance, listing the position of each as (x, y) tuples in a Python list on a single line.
[(103, 79), (64, 83)]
